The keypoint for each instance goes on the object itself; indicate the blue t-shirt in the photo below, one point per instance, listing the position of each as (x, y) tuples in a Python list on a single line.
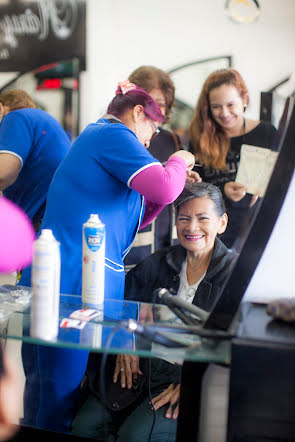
[(95, 178), (40, 142)]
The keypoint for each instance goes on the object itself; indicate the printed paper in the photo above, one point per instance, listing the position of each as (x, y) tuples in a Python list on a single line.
[(255, 168)]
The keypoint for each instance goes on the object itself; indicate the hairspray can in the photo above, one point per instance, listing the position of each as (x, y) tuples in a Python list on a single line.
[(45, 287), (93, 270)]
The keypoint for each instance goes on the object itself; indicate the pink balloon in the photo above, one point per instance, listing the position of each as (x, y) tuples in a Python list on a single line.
[(16, 237)]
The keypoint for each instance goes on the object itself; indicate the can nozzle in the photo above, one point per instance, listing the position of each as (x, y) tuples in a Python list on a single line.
[(47, 234), (94, 217)]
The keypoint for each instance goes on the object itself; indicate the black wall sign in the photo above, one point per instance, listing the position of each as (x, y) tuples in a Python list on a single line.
[(38, 32)]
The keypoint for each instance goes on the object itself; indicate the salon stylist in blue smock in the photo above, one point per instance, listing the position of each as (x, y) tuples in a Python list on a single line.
[(108, 171)]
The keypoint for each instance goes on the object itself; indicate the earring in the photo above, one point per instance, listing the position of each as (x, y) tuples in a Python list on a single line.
[(245, 107)]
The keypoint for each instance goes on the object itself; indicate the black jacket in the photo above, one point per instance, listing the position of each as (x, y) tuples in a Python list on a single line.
[(162, 269)]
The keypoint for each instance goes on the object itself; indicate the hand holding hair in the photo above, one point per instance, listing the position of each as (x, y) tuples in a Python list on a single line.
[(192, 177), (188, 157)]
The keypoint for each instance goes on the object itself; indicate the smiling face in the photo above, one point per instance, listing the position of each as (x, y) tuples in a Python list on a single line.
[(198, 224), (227, 107)]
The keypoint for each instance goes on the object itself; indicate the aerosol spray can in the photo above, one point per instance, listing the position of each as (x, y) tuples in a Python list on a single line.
[(93, 270), (45, 287)]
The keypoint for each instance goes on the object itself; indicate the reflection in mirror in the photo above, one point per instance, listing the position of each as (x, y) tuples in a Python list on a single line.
[(185, 105), (55, 89)]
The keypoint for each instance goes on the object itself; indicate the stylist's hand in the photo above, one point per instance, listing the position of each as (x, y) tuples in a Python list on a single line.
[(192, 177), (169, 396), (235, 191), (128, 368), (188, 157)]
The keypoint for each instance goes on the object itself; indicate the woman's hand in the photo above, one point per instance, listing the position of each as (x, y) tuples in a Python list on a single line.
[(128, 367), (235, 191), (146, 313), (188, 157), (192, 177), (169, 396), (254, 199)]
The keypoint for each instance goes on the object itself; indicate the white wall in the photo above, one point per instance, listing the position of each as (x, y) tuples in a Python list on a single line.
[(123, 35), (5, 77)]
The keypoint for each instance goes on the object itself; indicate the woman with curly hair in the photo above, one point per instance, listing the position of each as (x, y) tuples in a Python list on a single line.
[(217, 132)]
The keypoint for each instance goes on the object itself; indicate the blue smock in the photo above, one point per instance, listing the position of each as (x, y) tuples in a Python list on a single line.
[(95, 178)]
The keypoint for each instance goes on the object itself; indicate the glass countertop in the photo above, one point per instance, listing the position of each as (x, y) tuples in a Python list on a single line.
[(110, 331)]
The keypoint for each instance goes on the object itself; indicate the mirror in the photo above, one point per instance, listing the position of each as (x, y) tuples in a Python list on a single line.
[(63, 102)]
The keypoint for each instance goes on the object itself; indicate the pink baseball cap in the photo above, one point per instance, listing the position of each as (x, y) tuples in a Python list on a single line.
[(16, 237)]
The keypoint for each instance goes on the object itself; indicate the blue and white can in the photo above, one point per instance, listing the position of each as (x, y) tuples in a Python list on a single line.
[(93, 263)]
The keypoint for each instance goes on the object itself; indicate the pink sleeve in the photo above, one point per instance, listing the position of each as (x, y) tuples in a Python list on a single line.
[(16, 237), (151, 211), (161, 185)]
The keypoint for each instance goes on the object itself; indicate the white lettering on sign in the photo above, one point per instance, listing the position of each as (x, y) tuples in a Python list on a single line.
[(60, 17)]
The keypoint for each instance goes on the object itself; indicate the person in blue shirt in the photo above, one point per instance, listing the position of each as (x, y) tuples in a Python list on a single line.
[(108, 171), (32, 145)]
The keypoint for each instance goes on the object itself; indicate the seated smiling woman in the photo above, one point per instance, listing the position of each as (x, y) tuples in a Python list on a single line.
[(195, 269)]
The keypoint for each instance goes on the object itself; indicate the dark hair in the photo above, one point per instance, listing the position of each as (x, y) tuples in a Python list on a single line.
[(150, 77), (201, 190), (128, 100), (16, 99), (209, 141)]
